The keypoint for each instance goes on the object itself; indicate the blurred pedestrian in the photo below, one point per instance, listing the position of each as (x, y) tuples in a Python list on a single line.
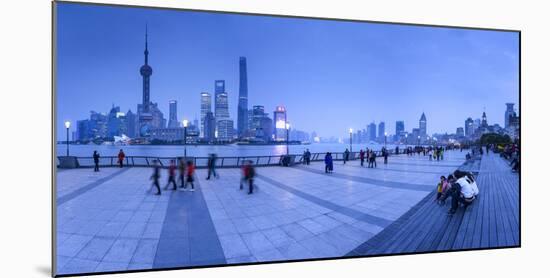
[(96, 161), (212, 166), (121, 157), (172, 175), (156, 176)]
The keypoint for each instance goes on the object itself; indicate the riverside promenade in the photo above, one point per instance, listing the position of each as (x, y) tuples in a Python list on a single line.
[(110, 221)]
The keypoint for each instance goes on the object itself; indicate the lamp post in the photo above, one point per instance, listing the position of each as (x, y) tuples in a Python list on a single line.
[(385, 139), (287, 129), (418, 140), (350, 140), (67, 126), (185, 122), (406, 138)]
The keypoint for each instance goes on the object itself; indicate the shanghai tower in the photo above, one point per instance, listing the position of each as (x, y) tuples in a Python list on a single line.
[(242, 113)]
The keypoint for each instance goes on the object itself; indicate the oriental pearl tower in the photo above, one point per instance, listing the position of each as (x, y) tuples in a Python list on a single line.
[(145, 116)]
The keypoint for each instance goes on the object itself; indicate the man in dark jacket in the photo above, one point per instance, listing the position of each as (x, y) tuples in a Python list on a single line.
[(96, 161)]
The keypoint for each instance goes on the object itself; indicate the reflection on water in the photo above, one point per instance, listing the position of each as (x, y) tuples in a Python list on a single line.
[(204, 150)]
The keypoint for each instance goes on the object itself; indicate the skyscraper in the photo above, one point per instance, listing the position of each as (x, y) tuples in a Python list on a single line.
[(209, 127), (469, 127), (242, 113), (173, 118), (381, 131), (459, 131), (399, 130), (484, 123), (224, 125), (423, 126), (279, 121), (206, 107), (371, 132), (221, 102), (509, 112)]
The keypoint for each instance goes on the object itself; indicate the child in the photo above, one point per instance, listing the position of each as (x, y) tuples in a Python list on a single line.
[(441, 188)]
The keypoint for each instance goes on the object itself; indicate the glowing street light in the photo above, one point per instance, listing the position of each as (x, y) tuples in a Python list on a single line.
[(185, 123), (67, 126), (385, 139)]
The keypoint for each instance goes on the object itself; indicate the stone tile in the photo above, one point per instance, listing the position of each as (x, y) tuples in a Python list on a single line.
[(111, 229), (256, 242), (296, 231), (152, 230), (73, 245), (244, 259), (225, 227), (244, 225), (234, 246), (269, 255), (295, 251), (145, 252), (96, 249), (77, 265), (122, 251), (109, 266), (312, 226), (133, 230)]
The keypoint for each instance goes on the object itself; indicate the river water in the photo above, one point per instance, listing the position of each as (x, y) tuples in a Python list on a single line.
[(204, 150)]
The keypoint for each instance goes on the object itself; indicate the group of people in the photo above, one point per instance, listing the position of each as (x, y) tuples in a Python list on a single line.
[(460, 186), (186, 175), (434, 153), (120, 159), (306, 157), (370, 156)]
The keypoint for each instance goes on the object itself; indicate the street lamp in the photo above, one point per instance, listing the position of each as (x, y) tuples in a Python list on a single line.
[(385, 139), (185, 122), (350, 140), (67, 126), (287, 129), (418, 140)]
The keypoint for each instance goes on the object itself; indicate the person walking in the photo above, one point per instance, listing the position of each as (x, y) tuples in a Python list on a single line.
[(172, 175), (385, 156), (212, 166), (373, 159), (346, 155), (96, 161), (190, 176), (308, 157), (250, 177), (181, 172), (362, 157), (121, 157), (156, 176)]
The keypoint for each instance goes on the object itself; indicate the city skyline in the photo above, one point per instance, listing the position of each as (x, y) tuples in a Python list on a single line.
[(374, 108)]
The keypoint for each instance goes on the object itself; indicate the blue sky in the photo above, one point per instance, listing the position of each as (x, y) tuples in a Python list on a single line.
[(331, 75)]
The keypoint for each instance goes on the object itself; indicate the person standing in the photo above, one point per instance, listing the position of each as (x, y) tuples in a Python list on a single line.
[(373, 158), (172, 175), (121, 157), (308, 157), (96, 161), (156, 176), (212, 166), (385, 156), (362, 157), (327, 162)]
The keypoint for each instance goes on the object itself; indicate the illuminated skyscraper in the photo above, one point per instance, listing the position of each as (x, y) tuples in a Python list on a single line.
[(279, 121), (242, 113), (206, 107), (173, 117), (423, 126)]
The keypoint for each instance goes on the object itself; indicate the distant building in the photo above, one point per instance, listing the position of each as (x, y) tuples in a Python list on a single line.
[(170, 134), (423, 126), (469, 127), (173, 117), (242, 113), (399, 130), (225, 129), (509, 112), (381, 131), (131, 122), (371, 132), (206, 107), (460, 132), (221, 100), (279, 122), (209, 130), (416, 136)]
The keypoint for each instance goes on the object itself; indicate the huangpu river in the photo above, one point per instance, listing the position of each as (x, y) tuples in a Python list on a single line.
[(204, 150)]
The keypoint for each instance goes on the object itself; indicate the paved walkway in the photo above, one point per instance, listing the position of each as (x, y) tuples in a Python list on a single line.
[(491, 221), (110, 221)]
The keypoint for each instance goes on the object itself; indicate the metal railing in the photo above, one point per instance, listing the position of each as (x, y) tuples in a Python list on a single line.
[(221, 162)]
